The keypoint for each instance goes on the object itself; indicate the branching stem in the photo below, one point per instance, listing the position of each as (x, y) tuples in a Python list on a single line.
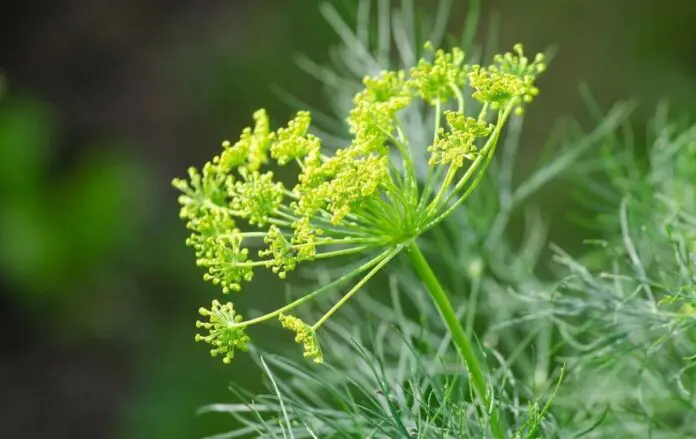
[(372, 262), (357, 287), (464, 345)]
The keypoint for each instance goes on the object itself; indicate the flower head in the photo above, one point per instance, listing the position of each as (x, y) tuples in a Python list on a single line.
[(364, 199), (284, 257), (453, 147), (256, 197), (226, 262), (304, 239), (251, 149), (358, 180), (204, 195), (437, 80), (224, 334), (375, 107), (294, 142), (511, 76)]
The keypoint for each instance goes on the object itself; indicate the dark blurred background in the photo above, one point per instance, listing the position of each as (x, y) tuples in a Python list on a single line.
[(103, 103)]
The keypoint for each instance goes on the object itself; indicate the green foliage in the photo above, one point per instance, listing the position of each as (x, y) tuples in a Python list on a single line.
[(396, 378), (625, 310), (58, 227)]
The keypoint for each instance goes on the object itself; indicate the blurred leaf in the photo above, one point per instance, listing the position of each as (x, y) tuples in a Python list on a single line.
[(58, 233), (96, 207), (25, 131), (32, 254)]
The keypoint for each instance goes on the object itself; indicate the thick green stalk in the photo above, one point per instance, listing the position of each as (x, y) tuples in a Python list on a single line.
[(464, 345)]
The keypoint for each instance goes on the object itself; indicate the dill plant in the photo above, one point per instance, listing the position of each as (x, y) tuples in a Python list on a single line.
[(364, 199), (620, 316)]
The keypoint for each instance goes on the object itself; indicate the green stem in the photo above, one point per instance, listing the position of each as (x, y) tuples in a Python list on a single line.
[(345, 251), (371, 263), (438, 110), (460, 97), (464, 345), (409, 168), (432, 178), (338, 241), (451, 172), (484, 158), (355, 288)]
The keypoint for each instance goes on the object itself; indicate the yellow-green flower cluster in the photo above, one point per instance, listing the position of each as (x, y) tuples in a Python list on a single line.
[(225, 260), (371, 120), (294, 142), (256, 197), (251, 150), (223, 334), (284, 257), (511, 76), (453, 147), (362, 200), (304, 335), (438, 80)]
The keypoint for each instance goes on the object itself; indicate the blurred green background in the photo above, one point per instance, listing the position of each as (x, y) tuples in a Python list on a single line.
[(103, 103)]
